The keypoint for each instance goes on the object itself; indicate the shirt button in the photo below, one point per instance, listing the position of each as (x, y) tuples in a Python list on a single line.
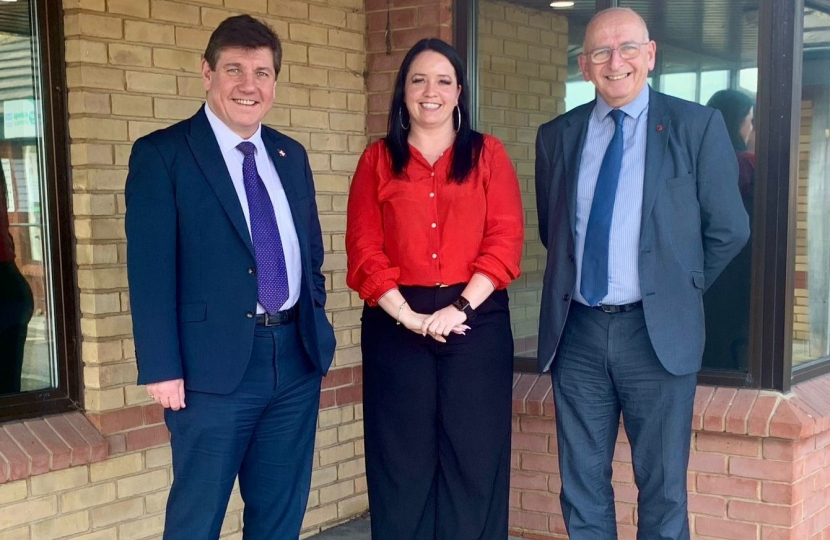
[(432, 194), (250, 314), (434, 255), (432, 174), (434, 225)]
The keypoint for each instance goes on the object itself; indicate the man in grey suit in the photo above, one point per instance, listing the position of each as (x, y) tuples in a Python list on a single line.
[(640, 211)]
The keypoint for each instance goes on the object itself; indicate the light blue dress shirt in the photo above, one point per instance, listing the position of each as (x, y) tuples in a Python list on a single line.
[(623, 251)]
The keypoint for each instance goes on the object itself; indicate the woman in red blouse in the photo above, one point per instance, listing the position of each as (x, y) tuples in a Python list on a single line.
[(434, 237)]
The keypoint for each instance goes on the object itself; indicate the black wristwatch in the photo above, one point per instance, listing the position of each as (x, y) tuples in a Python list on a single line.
[(462, 304)]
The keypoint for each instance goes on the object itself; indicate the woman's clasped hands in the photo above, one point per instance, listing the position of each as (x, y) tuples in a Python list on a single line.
[(437, 325)]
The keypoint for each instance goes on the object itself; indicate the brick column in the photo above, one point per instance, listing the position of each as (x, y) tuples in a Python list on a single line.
[(393, 27)]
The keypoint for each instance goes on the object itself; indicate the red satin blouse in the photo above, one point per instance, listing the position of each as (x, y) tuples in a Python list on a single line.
[(424, 230)]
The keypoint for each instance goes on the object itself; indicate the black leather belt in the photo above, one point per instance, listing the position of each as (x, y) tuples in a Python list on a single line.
[(278, 318), (621, 308)]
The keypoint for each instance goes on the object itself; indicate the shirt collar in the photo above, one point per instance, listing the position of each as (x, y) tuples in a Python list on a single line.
[(634, 108), (227, 139)]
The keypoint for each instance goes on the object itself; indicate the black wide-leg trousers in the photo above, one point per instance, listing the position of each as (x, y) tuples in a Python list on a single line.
[(437, 418)]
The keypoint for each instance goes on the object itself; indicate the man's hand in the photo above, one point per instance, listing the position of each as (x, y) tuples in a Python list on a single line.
[(168, 394)]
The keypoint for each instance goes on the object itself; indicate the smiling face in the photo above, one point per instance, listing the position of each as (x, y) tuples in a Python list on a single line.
[(240, 91), (431, 91), (618, 81)]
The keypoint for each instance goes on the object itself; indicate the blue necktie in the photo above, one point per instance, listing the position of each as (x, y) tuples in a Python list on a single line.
[(594, 285), (272, 276)]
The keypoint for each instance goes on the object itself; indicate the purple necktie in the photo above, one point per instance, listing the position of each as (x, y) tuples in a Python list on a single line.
[(272, 276)]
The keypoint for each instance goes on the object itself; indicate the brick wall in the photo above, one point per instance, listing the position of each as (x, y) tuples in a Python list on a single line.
[(801, 310), (522, 72), (759, 467), (132, 67)]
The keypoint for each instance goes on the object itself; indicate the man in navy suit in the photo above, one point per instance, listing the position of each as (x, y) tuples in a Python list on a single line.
[(639, 209), (224, 255)]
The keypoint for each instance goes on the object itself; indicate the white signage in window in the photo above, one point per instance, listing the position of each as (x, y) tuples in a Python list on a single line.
[(19, 119), (7, 174)]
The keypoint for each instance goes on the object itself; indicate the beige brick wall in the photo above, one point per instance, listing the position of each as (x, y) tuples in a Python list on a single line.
[(522, 73), (132, 67), (801, 309)]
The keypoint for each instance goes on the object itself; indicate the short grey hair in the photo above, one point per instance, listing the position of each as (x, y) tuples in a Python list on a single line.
[(613, 11)]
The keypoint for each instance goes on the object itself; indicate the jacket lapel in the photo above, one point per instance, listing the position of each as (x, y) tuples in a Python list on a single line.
[(573, 141), (657, 139), (209, 157), (291, 170)]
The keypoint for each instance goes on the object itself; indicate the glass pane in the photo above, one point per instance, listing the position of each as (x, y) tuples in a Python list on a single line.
[(709, 51), (528, 74), (27, 354), (811, 321)]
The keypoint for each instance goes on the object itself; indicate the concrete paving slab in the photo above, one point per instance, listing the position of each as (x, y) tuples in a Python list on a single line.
[(354, 530)]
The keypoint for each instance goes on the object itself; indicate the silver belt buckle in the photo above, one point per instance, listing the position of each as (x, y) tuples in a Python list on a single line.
[(267, 321), (608, 309)]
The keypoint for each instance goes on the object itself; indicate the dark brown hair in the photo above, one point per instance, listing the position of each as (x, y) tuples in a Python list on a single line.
[(244, 32)]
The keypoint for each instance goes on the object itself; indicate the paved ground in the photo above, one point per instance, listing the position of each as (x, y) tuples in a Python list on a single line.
[(353, 530)]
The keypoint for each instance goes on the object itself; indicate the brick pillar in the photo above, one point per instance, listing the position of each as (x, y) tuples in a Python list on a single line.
[(394, 26)]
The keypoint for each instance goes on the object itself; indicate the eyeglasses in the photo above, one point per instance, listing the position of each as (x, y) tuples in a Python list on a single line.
[(627, 51)]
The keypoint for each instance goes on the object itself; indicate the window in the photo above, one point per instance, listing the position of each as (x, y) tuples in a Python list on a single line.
[(37, 310), (811, 310)]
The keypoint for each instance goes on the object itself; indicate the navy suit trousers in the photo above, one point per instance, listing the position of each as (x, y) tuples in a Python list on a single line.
[(263, 432), (605, 366)]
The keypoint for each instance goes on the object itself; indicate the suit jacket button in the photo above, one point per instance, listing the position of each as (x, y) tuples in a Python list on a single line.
[(250, 314), (571, 257), (251, 271), (566, 297)]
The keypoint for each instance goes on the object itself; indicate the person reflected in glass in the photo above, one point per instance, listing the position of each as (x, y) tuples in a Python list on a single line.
[(726, 303), (434, 236), (16, 304)]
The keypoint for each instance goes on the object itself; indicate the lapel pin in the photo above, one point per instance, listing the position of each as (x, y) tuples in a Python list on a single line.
[(281, 153), (660, 127)]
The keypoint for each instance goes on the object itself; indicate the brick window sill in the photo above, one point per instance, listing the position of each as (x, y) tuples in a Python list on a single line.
[(37, 446), (800, 414)]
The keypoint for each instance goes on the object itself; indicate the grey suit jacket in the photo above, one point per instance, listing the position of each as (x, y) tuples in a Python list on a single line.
[(693, 223)]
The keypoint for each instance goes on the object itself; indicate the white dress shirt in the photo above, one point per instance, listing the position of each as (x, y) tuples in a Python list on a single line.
[(228, 141)]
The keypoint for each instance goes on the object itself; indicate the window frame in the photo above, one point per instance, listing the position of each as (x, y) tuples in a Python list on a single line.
[(780, 39), (47, 17)]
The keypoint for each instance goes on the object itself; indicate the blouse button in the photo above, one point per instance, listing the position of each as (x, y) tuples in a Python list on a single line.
[(432, 174), (434, 225), (434, 255), (432, 194)]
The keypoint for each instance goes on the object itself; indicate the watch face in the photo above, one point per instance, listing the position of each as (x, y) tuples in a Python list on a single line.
[(461, 304)]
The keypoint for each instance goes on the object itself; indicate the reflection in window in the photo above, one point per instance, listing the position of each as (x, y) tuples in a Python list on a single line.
[(811, 321), (27, 355)]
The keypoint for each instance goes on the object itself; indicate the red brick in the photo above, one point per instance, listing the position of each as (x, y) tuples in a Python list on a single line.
[(625, 513), (515, 499), (758, 512), (18, 461), (97, 443), (154, 414), (81, 453), (117, 444), (4, 469), (738, 413), (702, 397), (530, 424), (554, 484), (540, 502), (386, 62), (790, 422), (379, 103), (762, 469), (728, 444), (537, 396), (61, 454), (349, 394), (622, 472), (625, 493), (376, 123), (622, 452), (759, 418), (707, 504), (404, 39), (528, 520), (338, 377), (139, 439), (327, 399), (536, 482), (39, 457), (540, 463), (787, 450), (729, 486), (714, 419), (727, 529), (707, 463), (530, 441), (118, 420), (520, 391)]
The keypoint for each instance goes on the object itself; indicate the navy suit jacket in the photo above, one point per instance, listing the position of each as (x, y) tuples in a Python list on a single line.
[(190, 259), (693, 222)]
